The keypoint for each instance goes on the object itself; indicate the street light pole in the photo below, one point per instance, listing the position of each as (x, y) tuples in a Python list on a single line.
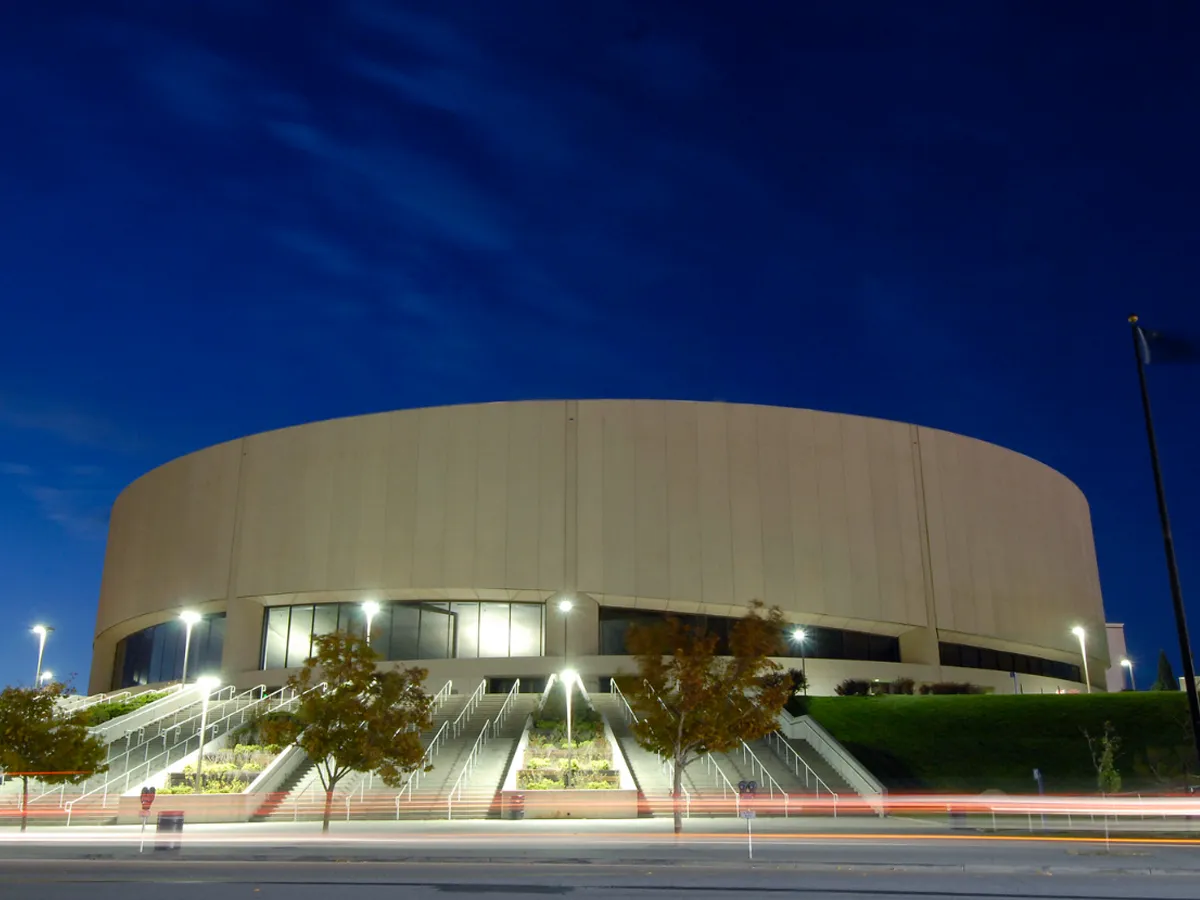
[(189, 619), (206, 685), (1079, 633), (568, 680), (371, 609), (565, 606), (801, 636), (42, 631), (1185, 646), (1128, 664)]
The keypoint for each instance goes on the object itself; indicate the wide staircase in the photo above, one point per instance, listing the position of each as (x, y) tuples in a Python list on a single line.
[(791, 778), (469, 746), (161, 739)]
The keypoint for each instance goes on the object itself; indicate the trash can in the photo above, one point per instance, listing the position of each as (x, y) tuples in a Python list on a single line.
[(170, 830), (516, 808), (958, 819)]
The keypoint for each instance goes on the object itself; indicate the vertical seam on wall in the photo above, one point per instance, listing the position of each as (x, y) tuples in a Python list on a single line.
[(387, 493), (416, 480), (926, 546), (729, 500), (235, 539), (695, 412), (762, 539)]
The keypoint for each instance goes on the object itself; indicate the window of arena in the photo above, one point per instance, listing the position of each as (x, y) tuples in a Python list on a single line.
[(819, 643), (968, 657), (155, 654), (402, 631)]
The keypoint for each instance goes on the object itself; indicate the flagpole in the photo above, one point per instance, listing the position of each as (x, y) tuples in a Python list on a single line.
[(1185, 647)]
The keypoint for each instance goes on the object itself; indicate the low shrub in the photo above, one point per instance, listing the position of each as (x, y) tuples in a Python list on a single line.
[(112, 709), (950, 687), (854, 687)]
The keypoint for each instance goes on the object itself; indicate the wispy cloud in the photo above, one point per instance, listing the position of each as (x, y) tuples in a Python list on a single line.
[(81, 513), (15, 470), (67, 424)]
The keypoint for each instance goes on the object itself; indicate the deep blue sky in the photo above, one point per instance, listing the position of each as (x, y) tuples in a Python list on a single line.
[(223, 217)]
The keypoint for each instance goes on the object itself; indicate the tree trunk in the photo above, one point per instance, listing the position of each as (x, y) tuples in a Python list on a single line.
[(328, 809), (24, 801), (677, 794)]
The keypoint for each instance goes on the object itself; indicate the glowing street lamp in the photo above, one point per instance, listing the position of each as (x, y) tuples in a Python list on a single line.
[(800, 636), (1128, 664), (568, 678), (189, 618), (565, 605), (1082, 635), (46, 677), (371, 610), (42, 631), (207, 684)]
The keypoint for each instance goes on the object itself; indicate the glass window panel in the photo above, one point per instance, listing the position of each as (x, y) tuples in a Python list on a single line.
[(156, 651), (275, 638), (381, 627), (434, 640), (352, 619), (525, 630), (209, 660), (402, 643), (493, 630), (855, 645), (466, 616), (299, 636), (325, 619)]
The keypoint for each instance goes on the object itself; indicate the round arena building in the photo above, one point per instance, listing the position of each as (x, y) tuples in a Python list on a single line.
[(901, 551)]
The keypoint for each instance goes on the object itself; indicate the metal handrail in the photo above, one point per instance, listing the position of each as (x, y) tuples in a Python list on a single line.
[(441, 696), (777, 738), (668, 765), (505, 707), (415, 778), (472, 703), (467, 769), (214, 728), (772, 784), (726, 784)]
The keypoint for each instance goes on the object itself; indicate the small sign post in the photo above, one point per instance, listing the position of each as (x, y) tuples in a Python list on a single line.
[(147, 798), (746, 791)]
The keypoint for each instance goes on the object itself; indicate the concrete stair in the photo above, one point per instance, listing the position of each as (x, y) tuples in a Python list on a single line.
[(361, 796)]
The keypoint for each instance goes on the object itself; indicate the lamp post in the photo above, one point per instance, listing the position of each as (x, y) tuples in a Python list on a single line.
[(568, 679), (189, 618), (565, 605), (42, 631), (1128, 664), (371, 610), (800, 636), (207, 684), (1082, 635)]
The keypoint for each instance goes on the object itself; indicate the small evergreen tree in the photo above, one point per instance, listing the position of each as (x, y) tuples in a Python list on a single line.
[(1104, 757), (1166, 680)]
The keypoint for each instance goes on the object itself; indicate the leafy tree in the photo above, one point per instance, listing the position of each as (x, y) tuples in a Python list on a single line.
[(1104, 757), (689, 701), (38, 739), (1166, 680), (365, 721)]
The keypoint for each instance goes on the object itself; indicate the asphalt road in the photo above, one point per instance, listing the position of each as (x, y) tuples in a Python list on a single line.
[(190, 880)]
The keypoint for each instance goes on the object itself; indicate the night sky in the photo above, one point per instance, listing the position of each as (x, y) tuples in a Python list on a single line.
[(227, 216)]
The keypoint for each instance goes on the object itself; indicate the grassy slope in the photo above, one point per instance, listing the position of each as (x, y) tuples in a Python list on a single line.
[(995, 741)]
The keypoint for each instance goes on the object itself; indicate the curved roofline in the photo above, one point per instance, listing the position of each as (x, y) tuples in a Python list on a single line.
[(388, 412)]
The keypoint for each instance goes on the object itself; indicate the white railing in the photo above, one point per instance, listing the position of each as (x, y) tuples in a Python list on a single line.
[(163, 760), (814, 782), (727, 788), (123, 726), (667, 765), (418, 773), (467, 770), (849, 769), (506, 706), (441, 696), (750, 758), (630, 715), (472, 703)]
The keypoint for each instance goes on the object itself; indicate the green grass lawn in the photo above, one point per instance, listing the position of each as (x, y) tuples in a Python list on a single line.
[(976, 743)]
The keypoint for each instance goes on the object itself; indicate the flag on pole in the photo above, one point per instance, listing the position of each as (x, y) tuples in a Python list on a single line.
[(1160, 347)]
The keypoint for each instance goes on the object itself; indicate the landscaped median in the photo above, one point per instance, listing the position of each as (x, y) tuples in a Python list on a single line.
[(556, 774)]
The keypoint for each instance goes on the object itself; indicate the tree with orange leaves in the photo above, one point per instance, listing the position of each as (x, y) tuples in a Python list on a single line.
[(689, 701)]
